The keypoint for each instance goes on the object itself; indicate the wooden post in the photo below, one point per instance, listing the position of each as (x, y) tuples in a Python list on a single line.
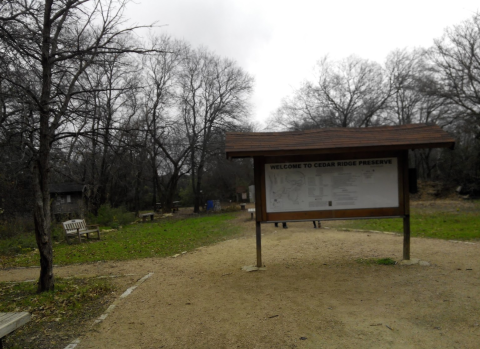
[(258, 167), (259, 244), (406, 202), (406, 237)]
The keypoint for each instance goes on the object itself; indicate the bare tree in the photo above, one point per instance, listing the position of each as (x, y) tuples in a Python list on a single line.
[(405, 70), (173, 161), (456, 65), (47, 46), (213, 96), (347, 93), (168, 146), (354, 91), (410, 101), (112, 85), (300, 111)]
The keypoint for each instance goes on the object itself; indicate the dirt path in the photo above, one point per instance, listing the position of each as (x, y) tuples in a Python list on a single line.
[(313, 294)]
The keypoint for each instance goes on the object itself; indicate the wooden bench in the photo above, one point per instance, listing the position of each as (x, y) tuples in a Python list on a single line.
[(145, 215), (78, 227), (251, 211), (9, 322)]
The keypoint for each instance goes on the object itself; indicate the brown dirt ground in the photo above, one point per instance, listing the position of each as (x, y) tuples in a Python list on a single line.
[(314, 293)]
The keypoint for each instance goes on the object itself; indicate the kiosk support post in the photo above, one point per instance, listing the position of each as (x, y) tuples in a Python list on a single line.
[(406, 203), (259, 244), (406, 237)]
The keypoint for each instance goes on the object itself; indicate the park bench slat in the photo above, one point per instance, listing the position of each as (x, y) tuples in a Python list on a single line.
[(9, 322)]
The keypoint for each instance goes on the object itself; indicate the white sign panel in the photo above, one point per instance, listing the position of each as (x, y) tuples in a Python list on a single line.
[(331, 185)]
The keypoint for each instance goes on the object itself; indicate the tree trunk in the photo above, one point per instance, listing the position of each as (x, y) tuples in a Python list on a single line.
[(197, 204), (42, 219), (154, 183), (40, 165), (137, 194), (428, 168), (197, 189), (170, 190), (93, 201)]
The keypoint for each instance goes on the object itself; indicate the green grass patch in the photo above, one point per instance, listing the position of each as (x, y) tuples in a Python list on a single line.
[(439, 225), (56, 316), (377, 261), (25, 242), (161, 238), (17, 237)]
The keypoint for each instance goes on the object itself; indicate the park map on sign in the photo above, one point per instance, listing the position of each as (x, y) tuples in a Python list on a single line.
[(331, 185)]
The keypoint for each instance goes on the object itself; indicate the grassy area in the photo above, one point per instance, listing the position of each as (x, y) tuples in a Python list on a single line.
[(456, 224), (57, 317), (60, 316), (161, 238)]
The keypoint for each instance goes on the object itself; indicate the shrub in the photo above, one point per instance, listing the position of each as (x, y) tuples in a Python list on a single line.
[(112, 217), (186, 196), (230, 207), (21, 243), (16, 226), (18, 236)]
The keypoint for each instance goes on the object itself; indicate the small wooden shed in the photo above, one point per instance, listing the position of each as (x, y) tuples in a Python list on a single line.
[(334, 173), (67, 199)]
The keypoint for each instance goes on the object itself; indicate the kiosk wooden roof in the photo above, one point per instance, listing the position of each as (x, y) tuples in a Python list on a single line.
[(336, 140)]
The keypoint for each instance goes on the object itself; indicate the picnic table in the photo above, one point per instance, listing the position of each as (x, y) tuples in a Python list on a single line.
[(145, 215), (9, 322), (176, 206)]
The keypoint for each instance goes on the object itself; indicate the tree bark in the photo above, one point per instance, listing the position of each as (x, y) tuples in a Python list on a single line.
[(42, 219), (137, 194), (40, 164), (198, 187), (170, 190)]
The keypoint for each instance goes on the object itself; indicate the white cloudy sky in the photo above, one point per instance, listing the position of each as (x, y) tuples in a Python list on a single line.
[(279, 42)]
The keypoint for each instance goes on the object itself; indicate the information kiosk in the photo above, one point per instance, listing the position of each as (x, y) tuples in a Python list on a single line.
[(333, 173)]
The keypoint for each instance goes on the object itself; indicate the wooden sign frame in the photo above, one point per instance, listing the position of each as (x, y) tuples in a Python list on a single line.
[(400, 211)]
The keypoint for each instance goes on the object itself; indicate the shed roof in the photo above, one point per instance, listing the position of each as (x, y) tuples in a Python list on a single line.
[(58, 188), (336, 140)]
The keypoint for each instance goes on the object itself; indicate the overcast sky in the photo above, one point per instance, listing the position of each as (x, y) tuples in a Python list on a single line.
[(278, 42)]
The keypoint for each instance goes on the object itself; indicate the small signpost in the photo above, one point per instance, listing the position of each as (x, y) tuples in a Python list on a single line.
[(329, 174)]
